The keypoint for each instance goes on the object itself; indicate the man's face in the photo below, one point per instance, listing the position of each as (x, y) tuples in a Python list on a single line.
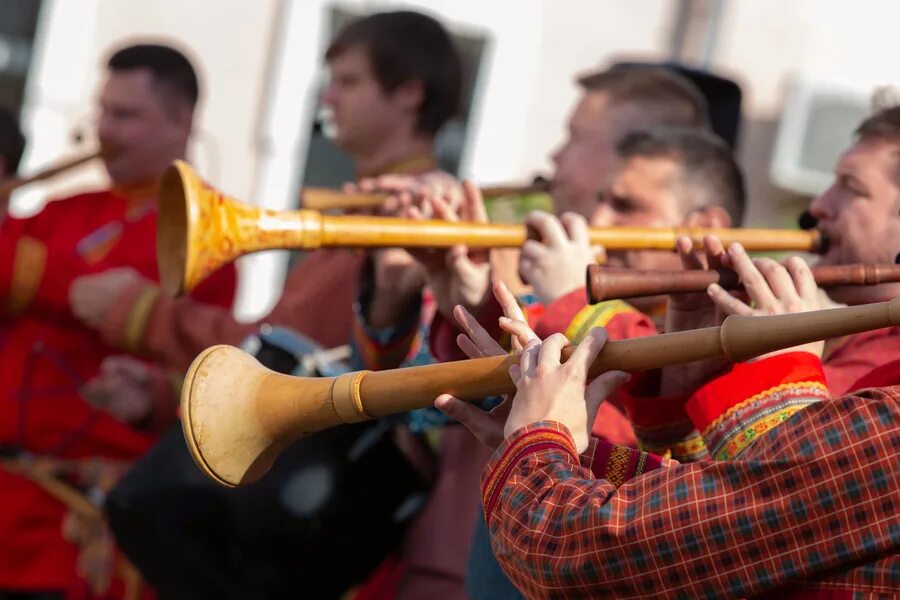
[(361, 113), (859, 212), (142, 131), (585, 162), (645, 192)]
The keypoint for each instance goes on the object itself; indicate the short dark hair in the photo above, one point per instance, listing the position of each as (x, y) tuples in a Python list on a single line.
[(707, 164), (663, 96), (884, 125), (403, 46), (170, 68), (12, 142)]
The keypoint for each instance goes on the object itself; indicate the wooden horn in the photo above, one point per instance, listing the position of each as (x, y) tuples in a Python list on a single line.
[(238, 416), (9, 184), (200, 229), (605, 283), (325, 199)]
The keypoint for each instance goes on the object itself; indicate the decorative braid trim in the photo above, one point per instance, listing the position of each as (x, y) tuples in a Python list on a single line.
[(529, 443)]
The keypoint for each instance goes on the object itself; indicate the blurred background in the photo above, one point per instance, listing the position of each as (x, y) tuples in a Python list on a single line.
[(805, 73)]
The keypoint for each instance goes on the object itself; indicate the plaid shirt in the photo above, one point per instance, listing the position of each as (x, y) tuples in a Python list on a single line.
[(811, 505)]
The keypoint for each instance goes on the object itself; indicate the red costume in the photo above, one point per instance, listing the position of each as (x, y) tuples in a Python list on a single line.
[(46, 354)]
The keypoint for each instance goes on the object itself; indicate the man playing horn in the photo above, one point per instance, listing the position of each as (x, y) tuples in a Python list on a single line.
[(47, 355), (809, 490), (395, 81), (736, 410), (614, 102)]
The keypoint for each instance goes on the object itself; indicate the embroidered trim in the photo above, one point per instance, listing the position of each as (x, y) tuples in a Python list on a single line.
[(690, 449), (642, 464), (596, 315), (528, 443), (136, 322), (769, 392), (732, 447), (617, 465), (679, 440), (29, 263), (739, 426)]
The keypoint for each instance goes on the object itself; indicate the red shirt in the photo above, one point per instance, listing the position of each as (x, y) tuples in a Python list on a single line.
[(46, 354)]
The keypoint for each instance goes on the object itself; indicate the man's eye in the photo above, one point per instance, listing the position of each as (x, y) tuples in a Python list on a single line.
[(622, 205)]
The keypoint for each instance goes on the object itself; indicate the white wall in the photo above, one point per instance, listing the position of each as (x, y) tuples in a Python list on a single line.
[(230, 45)]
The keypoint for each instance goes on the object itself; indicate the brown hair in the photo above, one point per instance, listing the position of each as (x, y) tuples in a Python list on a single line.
[(884, 126), (404, 46), (664, 96), (706, 162), (170, 68)]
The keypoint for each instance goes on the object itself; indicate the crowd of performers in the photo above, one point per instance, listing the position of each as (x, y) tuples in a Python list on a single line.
[(777, 477)]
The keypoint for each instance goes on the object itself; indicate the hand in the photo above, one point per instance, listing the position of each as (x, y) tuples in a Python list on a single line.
[(555, 265), (694, 311), (773, 289), (398, 278), (124, 388), (458, 275), (403, 190), (487, 426), (547, 390), (91, 297)]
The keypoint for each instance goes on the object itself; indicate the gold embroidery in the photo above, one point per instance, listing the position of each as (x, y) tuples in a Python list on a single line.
[(617, 465), (769, 392), (136, 322), (737, 444), (29, 263)]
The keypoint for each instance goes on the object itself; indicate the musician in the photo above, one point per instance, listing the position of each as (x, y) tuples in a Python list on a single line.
[(859, 216), (395, 80), (660, 529), (614, 102), (146, 115)]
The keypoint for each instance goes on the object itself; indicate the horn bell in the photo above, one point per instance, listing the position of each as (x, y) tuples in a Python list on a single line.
[(238, 416)]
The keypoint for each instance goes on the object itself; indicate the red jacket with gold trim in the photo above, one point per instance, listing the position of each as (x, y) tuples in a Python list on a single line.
[(46, 354)]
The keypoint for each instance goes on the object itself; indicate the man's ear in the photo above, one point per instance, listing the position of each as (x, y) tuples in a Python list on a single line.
[(410, 94), (708, 216)]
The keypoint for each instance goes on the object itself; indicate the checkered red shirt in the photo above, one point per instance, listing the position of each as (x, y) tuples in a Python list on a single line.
[(813, 505)]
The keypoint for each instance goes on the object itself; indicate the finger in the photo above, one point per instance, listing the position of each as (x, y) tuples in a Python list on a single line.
[(515, 374), (520, 331), (779, 279), (474, 202), (601, 388), (587, 351), (532, 250), (442, 210), (576, 228), (726, 302), (690, 259), (482, 425), (804, 280), (715, 251), (548, 227), (550, 354), (468, 347), (529, 359), (477, 334), (508, 303), (754, 282)]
